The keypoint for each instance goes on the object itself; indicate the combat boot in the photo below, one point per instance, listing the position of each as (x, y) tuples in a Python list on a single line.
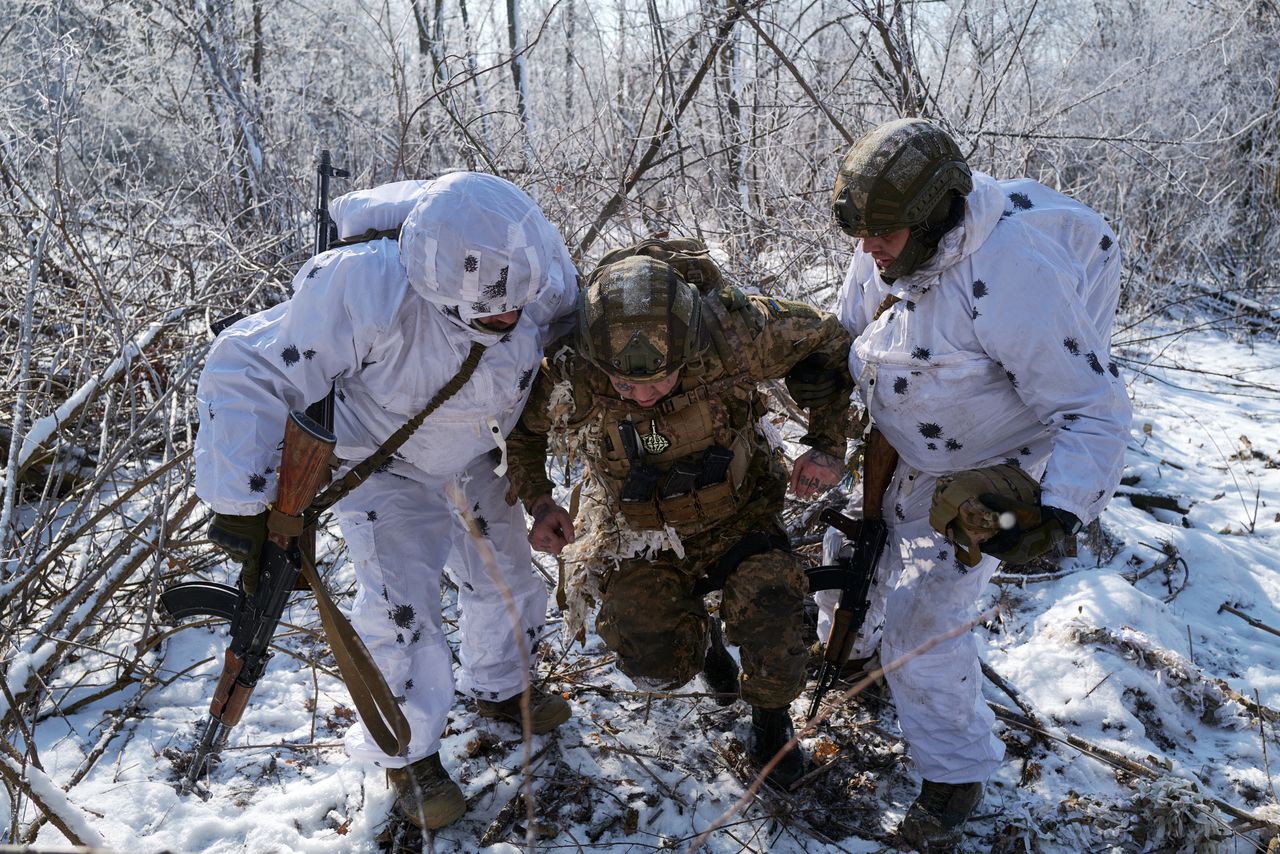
[(770, 730), (546, 711), (934, 822), (719, 670), (425, 794)]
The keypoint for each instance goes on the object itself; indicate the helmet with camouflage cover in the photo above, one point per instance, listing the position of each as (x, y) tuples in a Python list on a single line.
[(904, 174), (638, 319)]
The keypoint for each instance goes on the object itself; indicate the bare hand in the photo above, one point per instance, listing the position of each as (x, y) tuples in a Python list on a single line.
[(552, 526), (814, 473)]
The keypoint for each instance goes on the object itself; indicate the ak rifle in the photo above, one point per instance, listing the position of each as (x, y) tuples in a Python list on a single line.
[(304, 466), (853, 575), (326, 235)]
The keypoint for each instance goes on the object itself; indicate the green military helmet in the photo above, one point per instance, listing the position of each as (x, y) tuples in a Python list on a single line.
[(638, 319), (904, 174)]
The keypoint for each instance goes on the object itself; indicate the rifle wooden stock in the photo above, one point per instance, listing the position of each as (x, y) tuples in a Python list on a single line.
[(232, 664), (304, 465), (840, 641), (878, 464)]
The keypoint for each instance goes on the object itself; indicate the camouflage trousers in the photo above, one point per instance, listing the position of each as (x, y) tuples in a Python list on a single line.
[(651, 616)]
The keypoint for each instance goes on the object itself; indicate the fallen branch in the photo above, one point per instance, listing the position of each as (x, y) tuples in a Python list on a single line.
[(1012, 693), (44, 429), (48, 798), (1150, 501), (1015, 578), (1174, 669), (667, 790), (1257, 624), (1124, 763)]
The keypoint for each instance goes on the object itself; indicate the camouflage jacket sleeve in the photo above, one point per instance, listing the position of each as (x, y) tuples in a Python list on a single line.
[(786, 333), (528, 443)]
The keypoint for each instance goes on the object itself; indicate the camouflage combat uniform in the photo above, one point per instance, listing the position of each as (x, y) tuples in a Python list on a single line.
[(727, 525)]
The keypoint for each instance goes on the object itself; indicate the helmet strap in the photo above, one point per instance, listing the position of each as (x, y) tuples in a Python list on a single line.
[(922, 245)]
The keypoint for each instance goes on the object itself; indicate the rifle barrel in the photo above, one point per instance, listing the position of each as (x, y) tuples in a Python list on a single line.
[(303, 466)]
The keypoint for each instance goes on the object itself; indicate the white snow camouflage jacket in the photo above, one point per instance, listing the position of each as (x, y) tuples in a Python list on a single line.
[(999, 349), (479, 246)]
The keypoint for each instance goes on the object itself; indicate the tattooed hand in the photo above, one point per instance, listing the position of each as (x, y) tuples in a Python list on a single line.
[(814, 473), (552, 528)]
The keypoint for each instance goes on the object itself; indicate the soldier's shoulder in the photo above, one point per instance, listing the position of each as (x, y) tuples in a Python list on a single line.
[(732, 305)]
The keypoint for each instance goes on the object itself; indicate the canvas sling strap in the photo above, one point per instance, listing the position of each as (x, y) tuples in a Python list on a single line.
[(359, 473), (378, 707)]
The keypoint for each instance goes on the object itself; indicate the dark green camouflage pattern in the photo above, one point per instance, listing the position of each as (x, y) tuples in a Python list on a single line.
[(650, 615)]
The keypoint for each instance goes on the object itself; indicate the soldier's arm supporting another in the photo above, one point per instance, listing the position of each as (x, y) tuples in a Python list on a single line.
[(552, 527), (810, 349)]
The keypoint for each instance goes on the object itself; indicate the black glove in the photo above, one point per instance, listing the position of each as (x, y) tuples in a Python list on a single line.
[(1035, 528), (810, 382), (241, 537)]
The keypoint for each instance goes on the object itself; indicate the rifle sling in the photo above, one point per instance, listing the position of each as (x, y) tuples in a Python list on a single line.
[(379, 711), (751, 544), (359, 473)]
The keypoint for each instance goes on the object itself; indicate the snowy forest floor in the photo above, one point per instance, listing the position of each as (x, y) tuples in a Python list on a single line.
[(1157, 643)]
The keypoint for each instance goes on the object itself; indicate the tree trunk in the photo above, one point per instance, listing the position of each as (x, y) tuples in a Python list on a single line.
[(515, 41)]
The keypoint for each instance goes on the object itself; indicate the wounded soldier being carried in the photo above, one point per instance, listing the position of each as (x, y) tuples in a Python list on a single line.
[(657, 394)]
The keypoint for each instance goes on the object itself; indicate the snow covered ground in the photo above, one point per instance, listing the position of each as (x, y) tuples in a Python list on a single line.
[(1141, 645)]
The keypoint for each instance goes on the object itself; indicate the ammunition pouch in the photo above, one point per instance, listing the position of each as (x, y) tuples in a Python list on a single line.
[(639, 506), (691, 490)]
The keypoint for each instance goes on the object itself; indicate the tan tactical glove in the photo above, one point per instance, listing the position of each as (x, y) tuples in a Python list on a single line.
[(1044, 527), (997, 511), (241, 537)]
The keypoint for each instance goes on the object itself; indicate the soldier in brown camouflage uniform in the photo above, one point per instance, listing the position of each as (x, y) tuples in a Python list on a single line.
[(657, 393)]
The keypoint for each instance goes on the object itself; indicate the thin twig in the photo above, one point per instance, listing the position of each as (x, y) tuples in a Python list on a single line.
[(1257, 624), (1012, 693)]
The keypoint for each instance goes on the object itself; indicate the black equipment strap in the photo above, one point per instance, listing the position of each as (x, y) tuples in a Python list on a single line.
[(751, 544)]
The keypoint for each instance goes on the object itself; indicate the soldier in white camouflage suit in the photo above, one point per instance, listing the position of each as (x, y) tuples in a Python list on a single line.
[(981, 315), (387, 324)]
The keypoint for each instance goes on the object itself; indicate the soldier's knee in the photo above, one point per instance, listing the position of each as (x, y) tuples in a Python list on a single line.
[(765, 593), (658, 628)]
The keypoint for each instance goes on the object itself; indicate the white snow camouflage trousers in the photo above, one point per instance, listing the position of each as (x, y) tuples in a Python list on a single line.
[(920, 593), (402, 531)]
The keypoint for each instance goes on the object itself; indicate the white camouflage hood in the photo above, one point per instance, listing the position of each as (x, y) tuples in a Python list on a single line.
[(983, 208), (477, 245)]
